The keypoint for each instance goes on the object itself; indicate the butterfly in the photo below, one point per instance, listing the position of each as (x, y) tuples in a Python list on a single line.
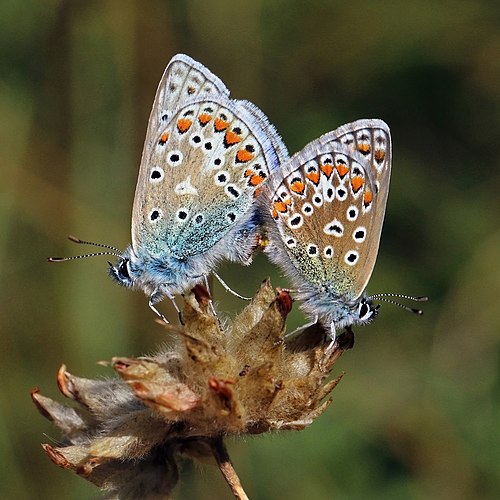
[(205, 160), (324, 214)]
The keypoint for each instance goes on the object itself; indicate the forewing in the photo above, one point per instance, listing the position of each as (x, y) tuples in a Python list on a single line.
[(200, 177), (328, 204), (259, 117), (183, 80)]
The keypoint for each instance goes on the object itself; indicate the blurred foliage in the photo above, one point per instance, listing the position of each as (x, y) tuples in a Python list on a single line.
[(418, 414)]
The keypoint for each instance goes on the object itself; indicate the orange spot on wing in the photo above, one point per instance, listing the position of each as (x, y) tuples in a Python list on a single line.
[(204, 118), (298, 187), (248, 172), (280, 207), (356, 183), (257, 192), (313, 177), (231, 138), (364, 148), (341, 169), (327, 169), (163, 138), (274, 213), (379, 155), (243, 156), (220, 125), (367, 198), (183, 125), (255, 180)]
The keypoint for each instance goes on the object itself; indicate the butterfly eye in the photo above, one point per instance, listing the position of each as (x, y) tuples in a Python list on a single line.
[(365, 312), (124, 269)]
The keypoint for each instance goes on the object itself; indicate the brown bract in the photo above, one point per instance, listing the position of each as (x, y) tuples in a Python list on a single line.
[(126, 434)]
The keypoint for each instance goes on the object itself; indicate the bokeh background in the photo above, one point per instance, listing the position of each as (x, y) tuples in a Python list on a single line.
[(418, 413)]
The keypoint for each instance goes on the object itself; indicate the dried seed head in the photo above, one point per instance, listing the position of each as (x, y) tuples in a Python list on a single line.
[(125, 434)]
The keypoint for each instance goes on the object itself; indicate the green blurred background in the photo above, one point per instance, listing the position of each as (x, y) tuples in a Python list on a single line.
[(418, 412)]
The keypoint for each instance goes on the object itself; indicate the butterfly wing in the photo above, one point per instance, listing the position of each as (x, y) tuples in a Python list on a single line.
[(183, 80), (279, 148), (328, 204), (205, 158)]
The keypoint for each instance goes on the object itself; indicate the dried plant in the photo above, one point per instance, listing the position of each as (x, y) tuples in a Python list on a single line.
[(126, 434)]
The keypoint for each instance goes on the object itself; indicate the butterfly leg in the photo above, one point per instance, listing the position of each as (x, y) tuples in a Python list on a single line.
[(229, 289), (207, 286), (329, 349), (179, 313), (157, 296), (333, 337), (154, 299), (333, 334)]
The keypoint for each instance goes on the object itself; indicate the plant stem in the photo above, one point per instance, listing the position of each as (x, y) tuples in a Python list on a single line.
[(226, 467)]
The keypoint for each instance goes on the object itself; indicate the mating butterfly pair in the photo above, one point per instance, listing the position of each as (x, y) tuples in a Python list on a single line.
[(214, 169)]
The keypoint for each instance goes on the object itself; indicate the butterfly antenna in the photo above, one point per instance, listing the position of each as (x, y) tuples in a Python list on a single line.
[(74, 239), (113, 251), (384, 297)]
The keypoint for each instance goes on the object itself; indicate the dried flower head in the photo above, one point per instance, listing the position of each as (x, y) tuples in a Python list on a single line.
[(125, 435)]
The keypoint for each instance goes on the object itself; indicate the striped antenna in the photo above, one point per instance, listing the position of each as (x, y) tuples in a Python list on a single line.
[(384, 297), (112, 251)]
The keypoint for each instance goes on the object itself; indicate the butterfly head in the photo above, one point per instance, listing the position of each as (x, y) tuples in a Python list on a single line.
[(128, 269), (363, 310), (140, 270), (366, 311), (146, 272), (339, 310), (359, 312)]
